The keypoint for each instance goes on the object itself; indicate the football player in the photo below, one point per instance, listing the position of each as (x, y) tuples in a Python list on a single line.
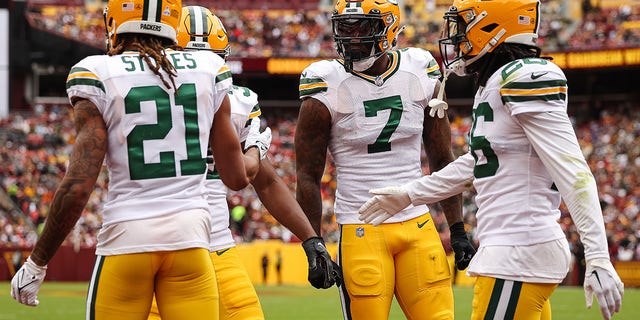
[(201, 30), (368, 110), (524, 158), (139, 106)]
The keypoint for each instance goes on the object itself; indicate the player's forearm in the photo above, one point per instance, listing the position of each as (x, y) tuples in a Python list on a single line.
[(75, 188), (280, 202), (311, 141), (310, 200), (66, 208), (452, 208), (252, 163)]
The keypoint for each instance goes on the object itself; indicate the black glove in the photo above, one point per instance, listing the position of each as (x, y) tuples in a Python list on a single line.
[(337, 273), (461, 245), (323, 272)]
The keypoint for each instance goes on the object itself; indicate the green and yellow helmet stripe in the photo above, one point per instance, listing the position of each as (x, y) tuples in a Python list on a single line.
[(198, 24), (152, 10)]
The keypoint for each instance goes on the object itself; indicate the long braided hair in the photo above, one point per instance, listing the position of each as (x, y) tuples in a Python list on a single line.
[(501, 55), (149, 47)]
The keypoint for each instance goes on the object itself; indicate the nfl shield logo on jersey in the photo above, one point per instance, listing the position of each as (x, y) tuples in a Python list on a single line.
[(360, 232)]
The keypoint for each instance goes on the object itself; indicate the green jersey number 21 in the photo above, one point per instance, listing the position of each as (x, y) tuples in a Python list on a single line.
[(185, 96)]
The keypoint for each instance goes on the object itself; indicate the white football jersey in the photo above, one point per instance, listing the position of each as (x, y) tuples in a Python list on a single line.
[(517, 199), (376, 132), (523, 149), (158, 137), (244, 107)]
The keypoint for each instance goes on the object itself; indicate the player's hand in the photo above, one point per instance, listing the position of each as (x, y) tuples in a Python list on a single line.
[(437, 107), (255, 138), (323, 272), (462, 247), (385, 203), (602, 281), (27, 282)]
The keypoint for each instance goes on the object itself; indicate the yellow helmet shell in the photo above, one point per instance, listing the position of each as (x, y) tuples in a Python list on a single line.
[(200, 29), (154, 17)]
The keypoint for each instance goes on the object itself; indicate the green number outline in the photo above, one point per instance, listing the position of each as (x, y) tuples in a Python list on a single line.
[(185, 96), (481, 143), (371, 108)]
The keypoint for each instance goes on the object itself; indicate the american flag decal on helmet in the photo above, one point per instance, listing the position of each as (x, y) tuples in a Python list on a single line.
[(524, 20)]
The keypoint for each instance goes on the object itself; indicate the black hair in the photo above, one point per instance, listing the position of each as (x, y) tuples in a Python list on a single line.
[(501, 55), (149, 47)]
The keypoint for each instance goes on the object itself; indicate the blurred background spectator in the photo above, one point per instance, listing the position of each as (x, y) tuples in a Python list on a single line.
[(303, 28), (35, 148)]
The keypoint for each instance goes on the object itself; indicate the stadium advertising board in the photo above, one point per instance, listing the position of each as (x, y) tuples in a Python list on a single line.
[(566, 60)]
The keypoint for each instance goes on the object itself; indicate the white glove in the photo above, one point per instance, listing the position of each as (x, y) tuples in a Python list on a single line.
[(257, 139), (437, 106), (602, 280), (27, 282), (385, 204)]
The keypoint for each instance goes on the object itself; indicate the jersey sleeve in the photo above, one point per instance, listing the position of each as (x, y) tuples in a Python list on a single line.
[(451, 180), (552, 137), (425, 60), (313, 83), (244, 107), (533, 87), (427, 69), (84, 82), (223, 84)]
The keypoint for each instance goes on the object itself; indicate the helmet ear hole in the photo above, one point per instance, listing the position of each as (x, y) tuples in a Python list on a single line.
[(489, 27)]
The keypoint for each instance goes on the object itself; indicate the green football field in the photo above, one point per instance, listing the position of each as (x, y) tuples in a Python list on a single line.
[(66, 301)]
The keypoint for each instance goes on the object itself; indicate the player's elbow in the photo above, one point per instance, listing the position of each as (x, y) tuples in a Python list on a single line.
[(236, 183)]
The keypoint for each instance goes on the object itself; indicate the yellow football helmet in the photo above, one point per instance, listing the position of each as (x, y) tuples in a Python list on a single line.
[(155, 17), (473, 28), (363, 30), (202, 30)]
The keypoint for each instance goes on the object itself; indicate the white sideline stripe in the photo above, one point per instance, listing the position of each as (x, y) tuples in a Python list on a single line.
[(503, 302), (90, 296)]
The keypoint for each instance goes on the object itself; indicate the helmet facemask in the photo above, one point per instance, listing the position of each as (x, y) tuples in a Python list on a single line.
[(454, 44), (364, 30), (109, 28), (360, 39), (473, 28)]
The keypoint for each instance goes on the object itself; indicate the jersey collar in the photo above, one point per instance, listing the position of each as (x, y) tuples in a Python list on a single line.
[(394, 64)]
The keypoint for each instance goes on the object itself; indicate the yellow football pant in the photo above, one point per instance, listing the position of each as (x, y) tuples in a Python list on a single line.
[(238, 297), (122, 286), (505, 299), (405, 258)]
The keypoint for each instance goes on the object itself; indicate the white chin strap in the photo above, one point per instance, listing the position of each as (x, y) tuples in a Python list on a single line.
[(458, 67), (363, 65)]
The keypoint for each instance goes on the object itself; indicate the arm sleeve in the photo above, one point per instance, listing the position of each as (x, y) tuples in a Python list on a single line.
[(451, 180), (551, 135)]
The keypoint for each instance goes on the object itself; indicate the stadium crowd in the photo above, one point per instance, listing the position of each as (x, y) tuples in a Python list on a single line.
[(304, 33), (35, 149)]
